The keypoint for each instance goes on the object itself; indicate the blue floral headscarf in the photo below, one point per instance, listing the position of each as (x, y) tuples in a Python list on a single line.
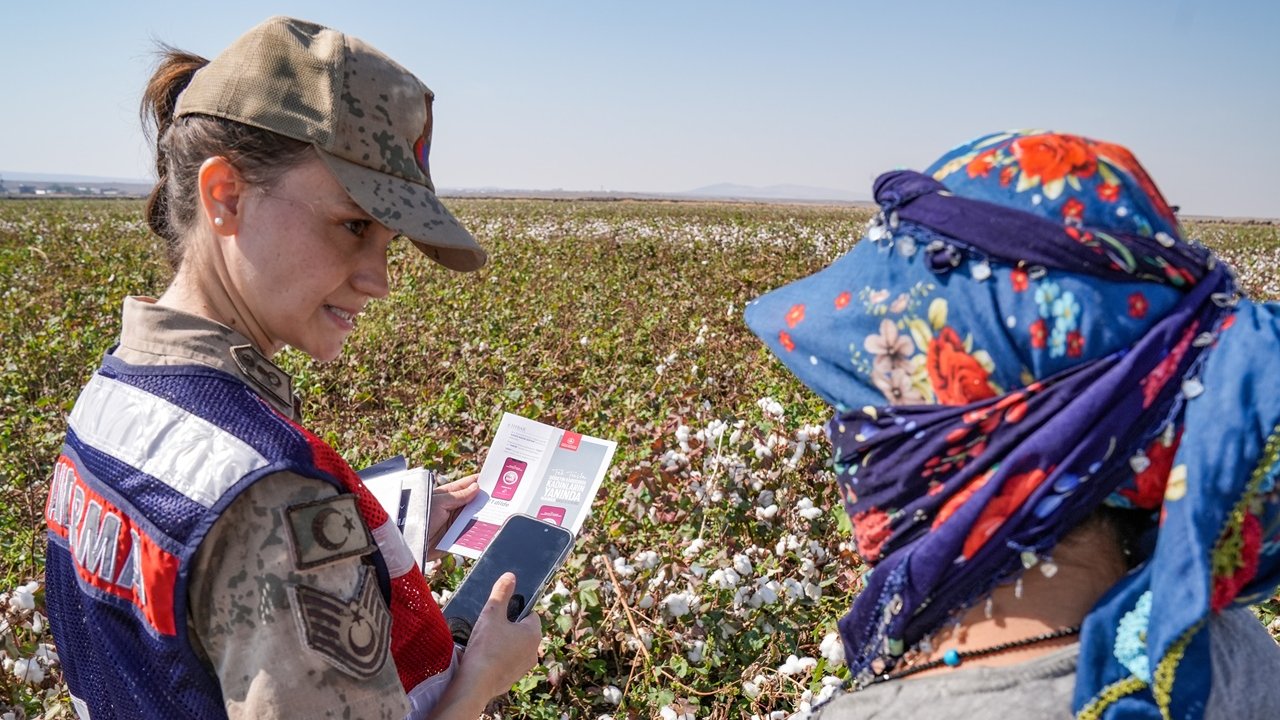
[(1022, 336)]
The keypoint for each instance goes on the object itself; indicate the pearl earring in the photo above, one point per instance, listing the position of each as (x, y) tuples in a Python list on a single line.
[(217, 221)]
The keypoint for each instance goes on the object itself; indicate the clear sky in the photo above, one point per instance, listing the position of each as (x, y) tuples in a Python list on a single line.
[(662, 96)]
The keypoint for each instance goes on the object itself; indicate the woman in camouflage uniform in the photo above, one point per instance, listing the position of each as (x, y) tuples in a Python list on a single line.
[(208, 556)]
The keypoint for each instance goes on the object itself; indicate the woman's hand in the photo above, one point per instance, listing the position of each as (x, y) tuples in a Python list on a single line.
[(446, 501), (499, 652)]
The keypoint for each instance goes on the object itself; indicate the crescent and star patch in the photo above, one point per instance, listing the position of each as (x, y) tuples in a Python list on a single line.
[(326, 530), (352, 635)]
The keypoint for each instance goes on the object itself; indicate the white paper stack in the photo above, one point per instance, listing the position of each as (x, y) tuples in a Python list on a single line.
[(405, 493)]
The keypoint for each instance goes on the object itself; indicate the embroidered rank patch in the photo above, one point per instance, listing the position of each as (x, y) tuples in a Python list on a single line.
[(326, 530), (352, 635)]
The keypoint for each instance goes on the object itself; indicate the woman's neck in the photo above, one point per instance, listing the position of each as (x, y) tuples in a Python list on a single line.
[(205, 291), (1085, 565)]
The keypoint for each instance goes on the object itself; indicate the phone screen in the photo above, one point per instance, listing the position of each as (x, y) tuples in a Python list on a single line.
[(526, 546)]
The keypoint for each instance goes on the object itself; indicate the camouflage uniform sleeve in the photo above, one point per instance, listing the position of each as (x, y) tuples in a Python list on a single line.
[(289, 617)]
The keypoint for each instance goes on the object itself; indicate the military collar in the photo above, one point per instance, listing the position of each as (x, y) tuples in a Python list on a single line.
[(153, 334)]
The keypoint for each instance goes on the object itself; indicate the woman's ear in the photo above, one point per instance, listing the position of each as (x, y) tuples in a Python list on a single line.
[(221, 190)]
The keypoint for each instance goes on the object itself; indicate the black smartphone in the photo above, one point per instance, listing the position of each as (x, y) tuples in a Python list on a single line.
[(530, 548)]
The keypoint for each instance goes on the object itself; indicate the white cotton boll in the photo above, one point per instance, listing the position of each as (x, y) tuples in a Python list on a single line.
[(796, 455), (832, 648), (8, 716), (46, 652), (796, 665), (695, 651), (679, 604), (766, 594), (741, 597), (830, 686), (584, 341), (807, 509), (694, 547), (37, 623), (24, 597), (697, 570), (816, 551), (28, 671), (660, 369), (646, 559), (751, 689), (612, 694), (716, 429), (770, 407), (725, 578), (812, 590), (793, 588), (742, 564), (765, 499), (761, 451), (766, 513), (646, 602), (682, 434), (621, 567)]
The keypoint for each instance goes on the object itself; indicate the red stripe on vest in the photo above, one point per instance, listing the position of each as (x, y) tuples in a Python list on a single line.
[(420, 640)]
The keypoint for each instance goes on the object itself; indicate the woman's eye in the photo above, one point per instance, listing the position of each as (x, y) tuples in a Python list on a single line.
[(357, 227)]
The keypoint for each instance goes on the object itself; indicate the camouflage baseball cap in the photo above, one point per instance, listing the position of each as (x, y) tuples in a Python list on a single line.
[(368, 118)]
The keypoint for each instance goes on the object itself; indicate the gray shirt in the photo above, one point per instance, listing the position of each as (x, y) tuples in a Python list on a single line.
[(1245, 661)]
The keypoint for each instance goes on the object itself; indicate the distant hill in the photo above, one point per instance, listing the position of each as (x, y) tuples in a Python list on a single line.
[(15, 176), (21, 184), (774, 192)]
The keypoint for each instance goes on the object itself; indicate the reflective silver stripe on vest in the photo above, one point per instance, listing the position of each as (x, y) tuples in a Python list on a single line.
[(395, 553), (184, 451)]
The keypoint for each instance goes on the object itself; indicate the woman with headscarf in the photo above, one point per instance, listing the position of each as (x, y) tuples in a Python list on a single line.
[(1057, 435)]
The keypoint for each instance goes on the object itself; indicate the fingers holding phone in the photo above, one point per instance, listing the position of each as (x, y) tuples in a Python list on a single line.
[(500, 651)]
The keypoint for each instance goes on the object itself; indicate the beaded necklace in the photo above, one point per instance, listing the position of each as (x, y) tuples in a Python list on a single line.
[(952, 658)]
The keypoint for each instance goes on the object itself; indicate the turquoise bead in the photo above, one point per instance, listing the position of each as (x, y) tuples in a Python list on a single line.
[(951, 658)]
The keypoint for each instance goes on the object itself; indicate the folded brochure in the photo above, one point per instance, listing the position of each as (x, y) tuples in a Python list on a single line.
[(535, 469)]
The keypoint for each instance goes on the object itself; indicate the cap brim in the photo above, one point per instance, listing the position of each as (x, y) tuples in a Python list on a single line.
[(412, 210)]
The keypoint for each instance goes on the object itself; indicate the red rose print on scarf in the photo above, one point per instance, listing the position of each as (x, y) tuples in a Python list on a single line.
[(957, 378), (1053, 157), (982, 164), (1149, 485), (871, 530), (1015, 492)]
